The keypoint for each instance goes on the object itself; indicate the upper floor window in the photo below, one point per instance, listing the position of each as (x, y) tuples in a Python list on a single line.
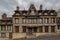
[(29, 20), (3, 35), (52, 20), (34, 20), (23, 20), (40, 20), (16, 20), (9, 28), (3, 28), (45, 14), (46, 20)]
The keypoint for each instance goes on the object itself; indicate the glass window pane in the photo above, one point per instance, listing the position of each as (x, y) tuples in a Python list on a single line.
[(3, 35), (3, 28), (9, 28), (16, 20)]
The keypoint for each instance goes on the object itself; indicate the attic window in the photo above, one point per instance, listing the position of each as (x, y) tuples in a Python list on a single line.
[(45, 13), (40, 13), (32, 13), (24, 13), (17, 14), (52, 14)]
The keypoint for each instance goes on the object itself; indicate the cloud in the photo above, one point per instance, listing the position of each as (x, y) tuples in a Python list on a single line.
[(9, 6)]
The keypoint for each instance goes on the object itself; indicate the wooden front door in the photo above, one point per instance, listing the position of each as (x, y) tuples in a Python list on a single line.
[(10, 35), (29, 31), (16, 29)]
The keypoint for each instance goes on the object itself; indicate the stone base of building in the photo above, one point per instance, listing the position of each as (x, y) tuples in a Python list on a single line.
[(24, 35)]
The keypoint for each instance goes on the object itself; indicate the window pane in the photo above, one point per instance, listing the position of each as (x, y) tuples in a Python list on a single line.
[(35, 29), (29, 20), (45, 13), (3, 28), (3, 35), (23, 20), (40, 29), (34, 20), (9, 28), (16, 20), (24, 28), (40, 20), (46, 20), (52, 20)]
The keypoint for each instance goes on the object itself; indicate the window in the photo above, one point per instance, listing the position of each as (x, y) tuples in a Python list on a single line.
[(29, 20), (3, 35), (35, 29), (40, 29), (45, 13), (24, 13), (46, 20), (17, 29), (52, 13), (9, 28), (16, 20), (3, 28), (46, 29), (52, 28), (40, 20), (34, 20), (24, 28), (58, 27), (52, 20), (40, 13), (23, 20), (32, 13), (17, 14)]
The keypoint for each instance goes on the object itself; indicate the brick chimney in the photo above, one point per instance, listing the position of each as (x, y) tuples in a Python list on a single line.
[(41, 7), (17, 8), (4, 16)]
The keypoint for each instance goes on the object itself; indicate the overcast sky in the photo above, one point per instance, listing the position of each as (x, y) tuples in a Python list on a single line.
[(8, 6)]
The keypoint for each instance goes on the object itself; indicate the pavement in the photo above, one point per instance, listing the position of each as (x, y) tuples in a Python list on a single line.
[(55, 37)]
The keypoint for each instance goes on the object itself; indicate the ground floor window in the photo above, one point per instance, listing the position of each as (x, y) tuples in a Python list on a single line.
[(58, 27), (46, 29), (3, 35), (17, 29), (10, 35), (52, 28), (34, 29), (40, 29), (24, 28)]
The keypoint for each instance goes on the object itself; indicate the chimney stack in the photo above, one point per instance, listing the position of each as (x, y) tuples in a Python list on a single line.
[(41, 7), (17, 8), (4, 16)]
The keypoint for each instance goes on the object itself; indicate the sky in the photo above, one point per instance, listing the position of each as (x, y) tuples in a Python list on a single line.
[(8, 6)]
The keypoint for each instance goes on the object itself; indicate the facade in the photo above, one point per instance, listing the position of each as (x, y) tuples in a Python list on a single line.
[(31, 22)]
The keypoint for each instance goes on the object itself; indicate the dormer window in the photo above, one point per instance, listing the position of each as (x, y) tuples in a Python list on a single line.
[(17, 14), (52, 13), (45, 13), (24, 13), (32, 13), (40, 13)]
